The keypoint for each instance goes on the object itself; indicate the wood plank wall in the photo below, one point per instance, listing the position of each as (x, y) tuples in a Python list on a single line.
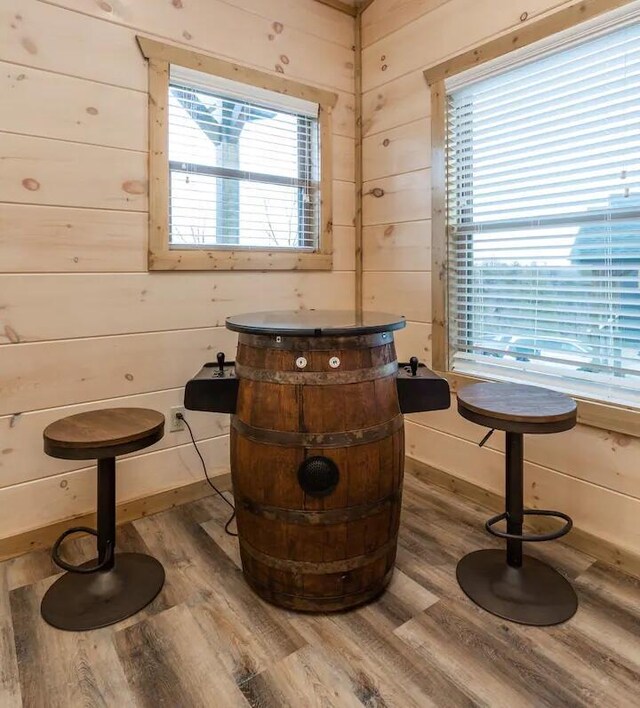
[(592, 474), (82, 324)]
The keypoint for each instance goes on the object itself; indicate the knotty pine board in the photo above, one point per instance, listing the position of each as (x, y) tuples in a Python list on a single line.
[(43, 307), (51, 374), (344, 248), (307, 15), (42, 36), (59, 173), (395, 104), (51, 38), (414, 340), (71, 240), (402, 197), (64, 40), (593, 455), (72, 493), (595, 509), (344, 203), (383, 17), (398, 150), (45, 104), (61, 239), (22, 457), (407, 293), (343, 159), (444, 32), (84, 111), (405, 246)]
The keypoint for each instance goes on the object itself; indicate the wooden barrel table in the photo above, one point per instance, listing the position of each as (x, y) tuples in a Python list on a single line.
[(317, 455)]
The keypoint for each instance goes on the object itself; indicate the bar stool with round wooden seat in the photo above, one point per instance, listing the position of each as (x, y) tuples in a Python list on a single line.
[(517, 587), (115, 586)]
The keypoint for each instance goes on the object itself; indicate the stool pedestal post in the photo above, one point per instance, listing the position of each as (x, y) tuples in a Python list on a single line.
[(106, 506), (514, 496)]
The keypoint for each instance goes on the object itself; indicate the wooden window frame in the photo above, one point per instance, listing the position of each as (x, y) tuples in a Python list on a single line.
[(594, 413), (160, 57)]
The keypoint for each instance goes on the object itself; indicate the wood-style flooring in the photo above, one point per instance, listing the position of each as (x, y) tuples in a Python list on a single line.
[(207, 640)]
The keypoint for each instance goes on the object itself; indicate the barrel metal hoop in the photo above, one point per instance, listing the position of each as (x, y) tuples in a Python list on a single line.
[(318, 440), (315, 567), (315, 602), (317, 378), (318, 518), (362, 341)]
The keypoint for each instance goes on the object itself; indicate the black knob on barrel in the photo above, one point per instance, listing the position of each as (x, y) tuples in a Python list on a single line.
[(220, 358), (413, 363)]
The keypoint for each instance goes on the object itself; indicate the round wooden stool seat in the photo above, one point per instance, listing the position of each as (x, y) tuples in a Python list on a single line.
[(115, 585), (104, 433), (515, 586), (517, 408)]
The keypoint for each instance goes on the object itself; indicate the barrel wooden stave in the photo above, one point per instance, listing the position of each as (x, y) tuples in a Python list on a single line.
[(267, 474), (324, 409), (290, 554), (317, 360)]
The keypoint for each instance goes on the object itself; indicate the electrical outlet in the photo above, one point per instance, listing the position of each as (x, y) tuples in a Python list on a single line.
[(175, 424)]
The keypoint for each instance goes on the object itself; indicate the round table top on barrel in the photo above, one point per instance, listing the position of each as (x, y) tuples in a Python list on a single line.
[(315, 323), (517, 408), (103, 433)]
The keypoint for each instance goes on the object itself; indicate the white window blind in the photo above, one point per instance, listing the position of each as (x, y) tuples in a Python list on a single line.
[(543, 173), (243, 164)]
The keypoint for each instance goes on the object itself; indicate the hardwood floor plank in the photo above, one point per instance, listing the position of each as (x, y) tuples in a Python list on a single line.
[(412, 594), (481, 655), (403, 600), (208, 575), (379, 660), (304, 678), (10, 694), (598, 673), (168, 661), (242, 650), (62, 669), (609, 615), (622, 590), (29, 568), (219, 515)]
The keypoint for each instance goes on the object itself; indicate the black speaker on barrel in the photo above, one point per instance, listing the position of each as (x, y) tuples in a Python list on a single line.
[(318, 476)]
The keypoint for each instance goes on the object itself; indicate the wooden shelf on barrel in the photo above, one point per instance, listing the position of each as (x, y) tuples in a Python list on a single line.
[(315, 323)]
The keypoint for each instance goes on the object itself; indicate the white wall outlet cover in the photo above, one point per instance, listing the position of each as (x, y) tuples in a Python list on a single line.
[(175, 424)]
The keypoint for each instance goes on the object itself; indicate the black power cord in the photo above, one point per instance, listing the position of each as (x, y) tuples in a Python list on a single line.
[(180, 416)]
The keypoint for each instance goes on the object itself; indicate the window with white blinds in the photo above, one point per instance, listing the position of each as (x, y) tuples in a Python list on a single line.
[(543, 174), (243, 166)]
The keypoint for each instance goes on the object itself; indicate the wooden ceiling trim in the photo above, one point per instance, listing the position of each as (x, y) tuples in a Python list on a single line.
[(341, 6)]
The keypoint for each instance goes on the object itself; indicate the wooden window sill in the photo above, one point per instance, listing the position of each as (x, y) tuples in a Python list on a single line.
[(205, 259)]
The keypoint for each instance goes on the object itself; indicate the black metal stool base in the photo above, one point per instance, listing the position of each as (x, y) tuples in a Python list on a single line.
[(533, 594), (78, 602)]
